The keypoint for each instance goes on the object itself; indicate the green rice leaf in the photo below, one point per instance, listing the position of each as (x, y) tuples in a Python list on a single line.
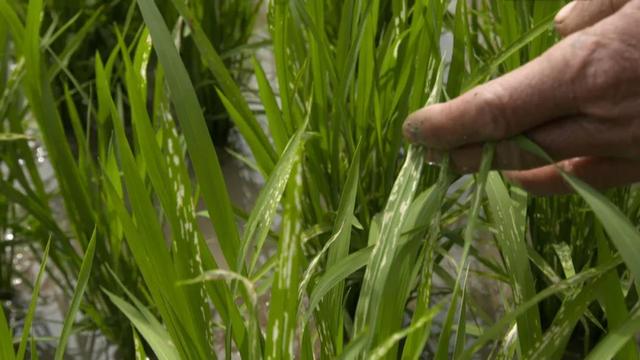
[(42, 105), (279, 29), (355, 347), (430, 214), (460, 33), (588, 277), (379, 266), (72, 43), (8, 137), (201, 150), (558, 335), (612, 297), (78, 293), (461, 330), (340, 242), (509, 215), (264, 210), (169, 177), (214, 275), (484, 72), (283, 308), (144, 235), (31, 50), (274, 115), (617, 338), (249, 136), (6, 338), (335, 275), (381, 350), (469, 234), (150, 329), (138, 345), (15, 26), (261, 148), (26, 328)]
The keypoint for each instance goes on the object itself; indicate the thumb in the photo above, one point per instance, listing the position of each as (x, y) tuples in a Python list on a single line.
[(580, 14)]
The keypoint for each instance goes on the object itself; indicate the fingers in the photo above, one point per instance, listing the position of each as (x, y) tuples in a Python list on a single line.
[(580, 14), (541, 90), (600, 173), (561, 139)]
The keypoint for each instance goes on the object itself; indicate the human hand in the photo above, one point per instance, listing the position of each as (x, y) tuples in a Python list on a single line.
[(580, 101)]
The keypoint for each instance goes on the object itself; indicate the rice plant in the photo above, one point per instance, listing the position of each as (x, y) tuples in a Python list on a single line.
[(63, 102), (355, 247), (82, 28)]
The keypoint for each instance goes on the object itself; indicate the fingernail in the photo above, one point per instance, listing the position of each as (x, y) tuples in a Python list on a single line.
[(563, 14), (433, 156), (411, 130)]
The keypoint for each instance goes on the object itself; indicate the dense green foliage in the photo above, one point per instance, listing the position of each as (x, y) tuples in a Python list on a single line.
[(354, 248)]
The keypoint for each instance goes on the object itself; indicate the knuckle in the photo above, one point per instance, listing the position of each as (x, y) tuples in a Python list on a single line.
[(493, 104), (593, 57), (603, 66), (562, 27)]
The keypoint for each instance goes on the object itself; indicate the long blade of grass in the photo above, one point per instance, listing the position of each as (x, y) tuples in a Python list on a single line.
[(279, 35), (355, 347), (442, 351), (250, 137), (26, 328), (617, 338), (201, 149), (152, 331), (284, 295), (78, 293), (340, 249), (336, 275), (461, 330), (264, 210), (381, 350), (559, 333), (431, 214), (612, 297), (432, 210), (457, 70), (145, 237), (273, 113), (214, 275), (484, 72), (509, 215), (261, 147), (72, 43), (15, 26), (138, 345), (6, 338), (169, 177), (383, 253), (43, 106), (589, 277)]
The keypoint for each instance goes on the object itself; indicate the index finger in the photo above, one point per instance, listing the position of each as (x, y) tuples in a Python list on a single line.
[(535, 93)]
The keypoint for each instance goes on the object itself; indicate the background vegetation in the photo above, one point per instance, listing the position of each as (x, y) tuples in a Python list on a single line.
[(354, 247)]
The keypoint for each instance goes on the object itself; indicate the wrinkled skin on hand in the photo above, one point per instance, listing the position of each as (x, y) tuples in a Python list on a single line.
[(580, 101)]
